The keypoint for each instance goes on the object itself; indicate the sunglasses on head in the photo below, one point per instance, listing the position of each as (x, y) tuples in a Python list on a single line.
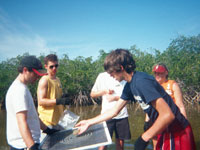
[(51, 67)]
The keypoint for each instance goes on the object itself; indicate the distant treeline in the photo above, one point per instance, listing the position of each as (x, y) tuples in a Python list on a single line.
[(182, 58)]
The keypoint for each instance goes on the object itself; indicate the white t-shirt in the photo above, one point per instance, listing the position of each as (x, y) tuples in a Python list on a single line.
[(18, 98), (104, 82)]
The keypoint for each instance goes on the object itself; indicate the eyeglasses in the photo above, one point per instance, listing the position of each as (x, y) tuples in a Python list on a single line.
[(52, 66)]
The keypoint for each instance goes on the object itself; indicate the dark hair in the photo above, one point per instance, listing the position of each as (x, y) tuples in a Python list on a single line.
[(118, 58), (20, 69), (50, 57), (29, 62)]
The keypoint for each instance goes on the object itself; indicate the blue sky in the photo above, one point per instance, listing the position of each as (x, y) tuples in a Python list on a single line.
[(83, 27)]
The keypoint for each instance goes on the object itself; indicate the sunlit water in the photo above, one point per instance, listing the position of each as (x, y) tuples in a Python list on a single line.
[(136, 120)]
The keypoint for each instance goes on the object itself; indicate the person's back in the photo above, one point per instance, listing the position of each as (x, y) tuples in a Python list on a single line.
[(145, 89)]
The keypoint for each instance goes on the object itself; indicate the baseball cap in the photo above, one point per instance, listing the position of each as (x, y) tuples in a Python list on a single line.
[(159, 68), (33, 63)]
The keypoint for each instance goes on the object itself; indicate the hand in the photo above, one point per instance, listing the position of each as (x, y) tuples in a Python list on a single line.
[(63, 101), (82, 126), (49, 131), (110, 91), (107, 91), (140, 144), (35, 146)]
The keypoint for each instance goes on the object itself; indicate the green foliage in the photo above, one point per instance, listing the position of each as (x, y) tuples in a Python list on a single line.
[(8, 73), (144, 61), (78, 76), (183, 60)]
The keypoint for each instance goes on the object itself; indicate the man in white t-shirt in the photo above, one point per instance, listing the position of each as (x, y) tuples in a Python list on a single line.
[(23, 125), (110, 90)]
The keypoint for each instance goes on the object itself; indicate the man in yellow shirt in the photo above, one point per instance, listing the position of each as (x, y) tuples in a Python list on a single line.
[(50, 100)]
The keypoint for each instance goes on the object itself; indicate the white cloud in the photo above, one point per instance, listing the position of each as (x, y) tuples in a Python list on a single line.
[(16, 38)]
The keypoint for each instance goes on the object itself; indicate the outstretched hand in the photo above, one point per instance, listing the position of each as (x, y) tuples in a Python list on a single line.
[(82, 126)]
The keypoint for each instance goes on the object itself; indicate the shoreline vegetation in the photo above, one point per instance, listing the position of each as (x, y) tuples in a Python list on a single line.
[(77, 76)]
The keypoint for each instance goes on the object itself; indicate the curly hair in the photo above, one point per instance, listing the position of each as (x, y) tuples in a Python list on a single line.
[(118, 58)]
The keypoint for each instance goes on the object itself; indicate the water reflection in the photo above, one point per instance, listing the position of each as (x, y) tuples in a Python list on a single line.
[(136, 120)]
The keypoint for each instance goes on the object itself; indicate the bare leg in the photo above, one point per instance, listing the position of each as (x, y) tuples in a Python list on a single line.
[(119, 144), (102, 147), (154, 143)]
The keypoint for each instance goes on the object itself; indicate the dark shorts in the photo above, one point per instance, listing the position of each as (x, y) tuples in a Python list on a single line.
[(120, 127)]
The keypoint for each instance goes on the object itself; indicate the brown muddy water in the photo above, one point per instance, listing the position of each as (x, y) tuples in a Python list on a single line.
[(136, 120)]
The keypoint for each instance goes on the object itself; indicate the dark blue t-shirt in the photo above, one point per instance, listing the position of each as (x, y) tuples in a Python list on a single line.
[(144, 89)]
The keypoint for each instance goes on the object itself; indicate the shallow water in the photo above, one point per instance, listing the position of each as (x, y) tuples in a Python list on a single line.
[(136, 120)]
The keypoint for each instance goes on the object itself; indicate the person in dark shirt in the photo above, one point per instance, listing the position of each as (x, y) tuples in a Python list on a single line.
[(167, 123)]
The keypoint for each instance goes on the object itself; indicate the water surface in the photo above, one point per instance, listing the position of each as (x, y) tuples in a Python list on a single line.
[(136, 120)]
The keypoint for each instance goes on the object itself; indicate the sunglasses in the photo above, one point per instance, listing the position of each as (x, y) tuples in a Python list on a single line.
[(52, 66)]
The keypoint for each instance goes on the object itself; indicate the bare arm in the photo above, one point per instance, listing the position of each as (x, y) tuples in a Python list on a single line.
[(107, 93), (165, 117), (95, 94), (24, 129), (42, 125), (179, 98), (109, 113), (85, 124), (41, 94), (146, 118), (111, 97)]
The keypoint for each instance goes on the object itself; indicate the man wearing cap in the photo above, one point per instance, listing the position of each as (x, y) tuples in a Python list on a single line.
[(23, 124), (50, 100)]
